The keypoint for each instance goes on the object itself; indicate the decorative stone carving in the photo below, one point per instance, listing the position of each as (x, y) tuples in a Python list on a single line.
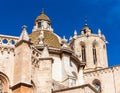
[(41, 38)]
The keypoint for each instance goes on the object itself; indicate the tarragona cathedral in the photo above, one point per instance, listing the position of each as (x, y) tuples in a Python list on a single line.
[(43, 62)]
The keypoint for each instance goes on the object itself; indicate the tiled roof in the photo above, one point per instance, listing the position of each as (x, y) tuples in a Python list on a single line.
[(43, 17), (50, 39)]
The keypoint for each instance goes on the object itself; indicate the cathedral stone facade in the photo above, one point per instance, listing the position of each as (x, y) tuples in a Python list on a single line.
[(43, 62)]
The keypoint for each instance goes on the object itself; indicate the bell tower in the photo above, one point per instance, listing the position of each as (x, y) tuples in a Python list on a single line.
[(90, 48)]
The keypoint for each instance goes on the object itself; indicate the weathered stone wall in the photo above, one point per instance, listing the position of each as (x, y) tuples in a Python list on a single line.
[(116, 75), (108, 77), (22, 65)]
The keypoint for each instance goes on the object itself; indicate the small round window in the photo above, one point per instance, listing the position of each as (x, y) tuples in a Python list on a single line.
[(5, 41), (12, 42)]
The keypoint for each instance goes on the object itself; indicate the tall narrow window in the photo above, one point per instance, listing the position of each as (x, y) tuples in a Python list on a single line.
[(94, 55), (39, 24), (83, 54)]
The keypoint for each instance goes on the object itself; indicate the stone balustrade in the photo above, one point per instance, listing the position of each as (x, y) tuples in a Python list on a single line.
[(8, 40)]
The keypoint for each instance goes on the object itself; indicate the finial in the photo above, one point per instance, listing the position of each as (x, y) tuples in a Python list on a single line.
[(42, 10), (64, 39), (64, 42), (70, 38), (99, 32), (24, 27), (85, 22), (75, 33), (24, 35)]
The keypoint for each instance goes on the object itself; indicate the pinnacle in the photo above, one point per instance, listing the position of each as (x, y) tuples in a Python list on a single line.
[(24, 34)]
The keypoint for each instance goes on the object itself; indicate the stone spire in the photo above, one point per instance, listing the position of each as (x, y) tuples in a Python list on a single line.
[(24, 35), (70, 38), (75, 34), (99, 32), (64, 41)]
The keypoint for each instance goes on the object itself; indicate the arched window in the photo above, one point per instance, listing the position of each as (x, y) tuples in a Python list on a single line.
[(94, 54), (4, 83), (1, 86), (97, 85), (83, 53), (39, 24)]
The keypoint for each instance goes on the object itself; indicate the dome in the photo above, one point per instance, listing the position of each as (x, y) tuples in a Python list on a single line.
[(50, 39), (42, 17)]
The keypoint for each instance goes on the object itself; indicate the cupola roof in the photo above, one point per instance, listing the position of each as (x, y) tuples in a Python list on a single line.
[(42, 16)]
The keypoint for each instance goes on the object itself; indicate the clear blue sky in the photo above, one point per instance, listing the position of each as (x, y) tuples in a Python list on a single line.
[(66, 16)]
